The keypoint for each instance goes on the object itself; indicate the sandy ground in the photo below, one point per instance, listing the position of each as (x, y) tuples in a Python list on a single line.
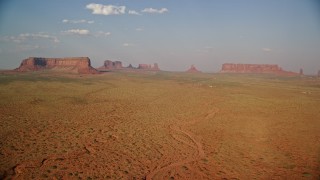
[(159, 126)]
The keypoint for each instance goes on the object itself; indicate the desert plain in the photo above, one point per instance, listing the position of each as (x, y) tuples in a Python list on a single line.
[(159, 125)]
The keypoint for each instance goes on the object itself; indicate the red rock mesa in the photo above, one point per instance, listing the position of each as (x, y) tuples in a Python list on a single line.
[(109, 65), (193, 69), (255, 68), (149, 67), (80, 65)]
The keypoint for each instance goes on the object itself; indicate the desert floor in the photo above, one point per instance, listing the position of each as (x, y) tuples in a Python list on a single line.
[(150, 125)]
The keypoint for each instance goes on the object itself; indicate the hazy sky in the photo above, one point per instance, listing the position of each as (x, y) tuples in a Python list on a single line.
[(173, 33)]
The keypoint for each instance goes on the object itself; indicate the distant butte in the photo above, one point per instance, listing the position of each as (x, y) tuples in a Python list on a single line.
[(111, 65), (255, 68), (149, 67), (81, 65), (117, 65), (193, 69), (130, 66)]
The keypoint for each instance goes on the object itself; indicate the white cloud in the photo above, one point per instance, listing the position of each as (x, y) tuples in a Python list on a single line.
[(133, 12), (28, 36), (15, 39), (155, 11), (266, 49), (139, 29), (206, 49), (28, 47), (77, 32), (85, 32), (106, 9), (103, 34), (77, 21), (127, 44)]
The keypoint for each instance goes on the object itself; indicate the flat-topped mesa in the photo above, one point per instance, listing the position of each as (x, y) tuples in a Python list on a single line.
[(193, 69), (149, 67), (254, 68), (110, 65), (80, 65)]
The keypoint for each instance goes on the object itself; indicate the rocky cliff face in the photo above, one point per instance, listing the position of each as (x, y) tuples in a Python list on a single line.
[(254, 68), (149, 67), (109, 65), (193, 69), (80, 65)]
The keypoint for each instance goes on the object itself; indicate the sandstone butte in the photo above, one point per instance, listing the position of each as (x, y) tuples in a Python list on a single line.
[(81, 65), (193, 69), (255, 68), (117, 65), (149, 67), (109, 65)]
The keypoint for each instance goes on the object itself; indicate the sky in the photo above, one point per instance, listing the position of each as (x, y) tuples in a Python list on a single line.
[(173, 33)]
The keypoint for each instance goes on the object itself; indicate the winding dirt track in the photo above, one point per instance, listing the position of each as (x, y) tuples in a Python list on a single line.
[(177, 129)]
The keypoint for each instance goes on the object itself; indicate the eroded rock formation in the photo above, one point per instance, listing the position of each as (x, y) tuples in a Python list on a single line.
[(149, 67), (301, 72), (130, 66), (193, 69), (254, 68), (109, 65), (80, 65)]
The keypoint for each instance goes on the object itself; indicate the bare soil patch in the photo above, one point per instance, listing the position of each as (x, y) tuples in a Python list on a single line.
[(123, 125)]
